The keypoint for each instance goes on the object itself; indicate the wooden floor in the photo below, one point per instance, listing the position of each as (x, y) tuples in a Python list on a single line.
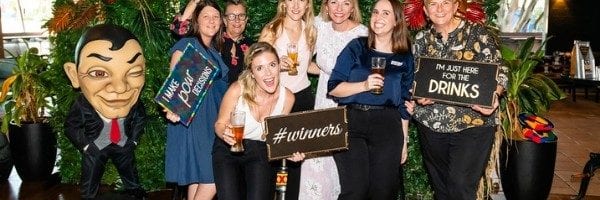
[(576, 124)]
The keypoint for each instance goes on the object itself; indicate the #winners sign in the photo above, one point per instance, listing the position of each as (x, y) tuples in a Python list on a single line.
[(307, 132)]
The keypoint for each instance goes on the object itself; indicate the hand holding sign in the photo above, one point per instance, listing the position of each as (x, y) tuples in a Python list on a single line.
[(456, 82), (308, 132), (186, 86)]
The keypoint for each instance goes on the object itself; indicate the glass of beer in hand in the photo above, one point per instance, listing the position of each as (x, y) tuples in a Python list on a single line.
[(292, 50), (378, 67), (238, 119)]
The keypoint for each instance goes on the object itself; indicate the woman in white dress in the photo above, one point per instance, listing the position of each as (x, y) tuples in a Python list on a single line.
[(294, 23), (337, 24)]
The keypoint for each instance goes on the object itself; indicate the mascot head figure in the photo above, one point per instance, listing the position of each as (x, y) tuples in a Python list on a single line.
[(109, 68)]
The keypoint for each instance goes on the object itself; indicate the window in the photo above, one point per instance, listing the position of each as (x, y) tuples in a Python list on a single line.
[(25, 17), (22, 22), (523, 16)]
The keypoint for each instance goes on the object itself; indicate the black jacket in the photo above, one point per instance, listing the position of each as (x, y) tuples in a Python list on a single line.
[(83, 124)]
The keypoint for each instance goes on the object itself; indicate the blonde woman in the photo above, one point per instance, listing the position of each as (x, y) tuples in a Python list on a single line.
[(294, 23), (258, 93), (338, 22)]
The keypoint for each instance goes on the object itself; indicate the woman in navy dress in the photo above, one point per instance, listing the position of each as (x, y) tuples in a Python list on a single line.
[(377, 123), (188, 159)]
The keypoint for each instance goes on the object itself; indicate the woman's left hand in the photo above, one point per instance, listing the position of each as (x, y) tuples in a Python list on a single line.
[(296, 157), (410, 106), (486, 111), (404, 152), (285, 63)]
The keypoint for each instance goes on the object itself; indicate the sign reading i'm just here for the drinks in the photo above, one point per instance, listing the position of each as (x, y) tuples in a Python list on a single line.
[(186, 85), (307, 132), (456, 82)]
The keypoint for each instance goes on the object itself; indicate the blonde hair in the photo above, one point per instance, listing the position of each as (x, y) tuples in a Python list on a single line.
[(245, 79), (273, 29), (354, 16)]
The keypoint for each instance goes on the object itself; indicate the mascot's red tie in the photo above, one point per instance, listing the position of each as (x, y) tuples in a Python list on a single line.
[(115, 133)]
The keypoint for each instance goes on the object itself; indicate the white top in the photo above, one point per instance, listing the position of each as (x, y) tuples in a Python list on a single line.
[(253, 129), (329, 45), (300, 81)]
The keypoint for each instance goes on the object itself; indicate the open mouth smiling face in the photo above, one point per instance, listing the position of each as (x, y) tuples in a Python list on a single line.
[(265, 70), (111, 80)]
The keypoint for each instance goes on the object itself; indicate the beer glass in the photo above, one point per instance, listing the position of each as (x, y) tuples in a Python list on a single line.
[(238, 119), (292, 50), (378, 67)]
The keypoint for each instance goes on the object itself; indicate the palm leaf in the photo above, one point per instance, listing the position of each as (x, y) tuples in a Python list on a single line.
[(525, 48)]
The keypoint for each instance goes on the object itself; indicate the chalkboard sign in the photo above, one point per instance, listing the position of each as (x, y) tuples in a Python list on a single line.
[(307, 132), (186, 85), (456, 82)]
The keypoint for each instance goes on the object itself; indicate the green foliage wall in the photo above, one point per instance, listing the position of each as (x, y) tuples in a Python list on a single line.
[(148, 20)]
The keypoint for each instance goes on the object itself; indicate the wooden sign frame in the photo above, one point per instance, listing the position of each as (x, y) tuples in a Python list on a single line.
[(456, 82), (308, 132)]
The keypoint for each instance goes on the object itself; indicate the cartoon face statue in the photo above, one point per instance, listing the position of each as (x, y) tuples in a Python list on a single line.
[(110, 70)]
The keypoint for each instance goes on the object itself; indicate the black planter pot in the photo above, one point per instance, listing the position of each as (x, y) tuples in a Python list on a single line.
[(527, 169), (6, 162), (33, 149)]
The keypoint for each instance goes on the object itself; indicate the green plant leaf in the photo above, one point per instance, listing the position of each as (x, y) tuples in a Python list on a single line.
[(525, 48), (508, 55), (554, 92)]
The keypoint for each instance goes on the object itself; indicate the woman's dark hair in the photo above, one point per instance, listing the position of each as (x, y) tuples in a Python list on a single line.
[(400, 35), (216, 42)]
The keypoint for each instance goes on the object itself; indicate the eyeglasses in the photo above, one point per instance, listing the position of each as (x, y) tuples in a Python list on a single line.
[(231, 17)]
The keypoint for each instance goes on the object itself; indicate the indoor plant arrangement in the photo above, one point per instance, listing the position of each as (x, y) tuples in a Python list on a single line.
[(526, 168), (25, 98), (23, 93), (526, 92)]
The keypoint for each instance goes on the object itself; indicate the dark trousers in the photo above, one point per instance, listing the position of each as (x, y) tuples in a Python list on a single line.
[(456, 161), (94, 162), (304, 100), (245, 175), (370, 168)]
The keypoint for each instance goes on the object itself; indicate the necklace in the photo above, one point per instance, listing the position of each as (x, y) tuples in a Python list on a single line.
[(265, 108)]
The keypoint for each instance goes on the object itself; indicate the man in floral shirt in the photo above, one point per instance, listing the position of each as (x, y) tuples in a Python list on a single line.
[(456, 140)]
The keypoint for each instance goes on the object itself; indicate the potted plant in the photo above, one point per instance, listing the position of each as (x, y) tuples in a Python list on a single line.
[(24, 99), (526, 167)]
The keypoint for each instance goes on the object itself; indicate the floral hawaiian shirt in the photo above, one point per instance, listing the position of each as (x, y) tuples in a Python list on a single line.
[(470, 42)]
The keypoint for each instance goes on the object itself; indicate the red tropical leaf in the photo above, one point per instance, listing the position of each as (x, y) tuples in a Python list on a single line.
[(61, 20), (90, 13), (414, 14), (475, 13)]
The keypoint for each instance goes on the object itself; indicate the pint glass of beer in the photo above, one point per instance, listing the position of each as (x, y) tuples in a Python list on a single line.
[(292, 50), (238, 119), (378, 67)]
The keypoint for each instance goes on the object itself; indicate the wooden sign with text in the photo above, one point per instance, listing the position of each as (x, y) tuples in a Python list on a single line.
[(307, 132), (187, 84), (463, 83)]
